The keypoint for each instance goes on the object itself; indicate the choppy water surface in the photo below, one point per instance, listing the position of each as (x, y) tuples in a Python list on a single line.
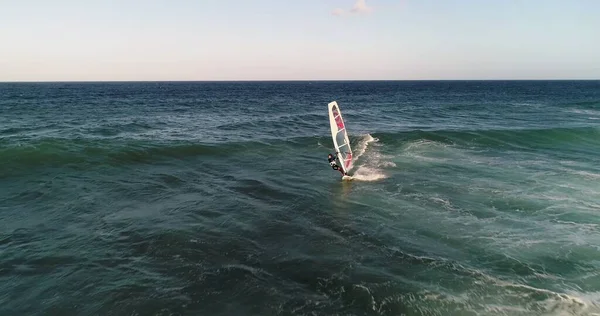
[(470, 198)]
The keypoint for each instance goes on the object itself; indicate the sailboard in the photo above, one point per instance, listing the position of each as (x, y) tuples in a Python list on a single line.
[(340, 138)]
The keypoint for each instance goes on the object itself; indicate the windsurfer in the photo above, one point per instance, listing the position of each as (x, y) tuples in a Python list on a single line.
[(333, 163)]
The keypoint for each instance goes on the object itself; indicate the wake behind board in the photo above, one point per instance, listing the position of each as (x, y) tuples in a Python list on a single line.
[(340, 138)]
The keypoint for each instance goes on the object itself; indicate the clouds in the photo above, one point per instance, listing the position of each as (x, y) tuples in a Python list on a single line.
[(338, 12), (360, 7)]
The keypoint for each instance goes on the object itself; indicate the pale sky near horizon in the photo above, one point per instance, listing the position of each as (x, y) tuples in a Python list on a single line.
[(88, 40)]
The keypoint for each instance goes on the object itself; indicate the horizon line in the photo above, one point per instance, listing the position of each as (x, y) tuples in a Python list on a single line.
[(284, 80)]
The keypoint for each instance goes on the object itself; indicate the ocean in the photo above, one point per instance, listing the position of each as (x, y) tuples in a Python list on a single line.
[(216, 198)]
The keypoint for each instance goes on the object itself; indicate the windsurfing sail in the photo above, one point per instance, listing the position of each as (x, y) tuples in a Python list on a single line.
[(340, 136)]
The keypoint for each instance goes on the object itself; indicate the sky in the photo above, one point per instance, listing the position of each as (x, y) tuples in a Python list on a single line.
[(147, 40)]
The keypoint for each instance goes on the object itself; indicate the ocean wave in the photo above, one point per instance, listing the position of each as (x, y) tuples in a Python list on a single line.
[(369, 165), (67, 152), (592, 104), (523, 139), (275, 123), (369, 148)]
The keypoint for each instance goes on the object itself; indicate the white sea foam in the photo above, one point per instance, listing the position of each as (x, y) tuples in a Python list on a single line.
[(371, 166), (588, 175), (585, 111), (364, 173), (424, 150), (361, 148)]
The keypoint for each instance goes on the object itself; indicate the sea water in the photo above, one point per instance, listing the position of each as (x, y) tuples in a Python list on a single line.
[(216, 198)]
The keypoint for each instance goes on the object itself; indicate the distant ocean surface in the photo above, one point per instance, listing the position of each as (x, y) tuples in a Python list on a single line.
[(216, 198)]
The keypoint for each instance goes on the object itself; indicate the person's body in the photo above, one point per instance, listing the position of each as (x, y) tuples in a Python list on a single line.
[(332, 162)]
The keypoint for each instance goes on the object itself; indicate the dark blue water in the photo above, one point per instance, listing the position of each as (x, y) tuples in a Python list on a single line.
[(216, 198)]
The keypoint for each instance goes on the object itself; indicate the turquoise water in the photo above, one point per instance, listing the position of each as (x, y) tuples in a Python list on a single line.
[(182, 198)]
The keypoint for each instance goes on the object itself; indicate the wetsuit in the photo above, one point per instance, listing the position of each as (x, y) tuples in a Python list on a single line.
[(334, 165)]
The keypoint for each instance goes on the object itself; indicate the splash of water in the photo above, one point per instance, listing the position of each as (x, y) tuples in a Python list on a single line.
[(370, 167), (363, 144)]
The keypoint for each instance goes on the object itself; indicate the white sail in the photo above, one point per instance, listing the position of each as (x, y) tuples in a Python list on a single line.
[(340, 136)]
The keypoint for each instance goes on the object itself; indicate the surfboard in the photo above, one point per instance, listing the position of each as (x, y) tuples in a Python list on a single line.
[(347, 178), (340, 137)]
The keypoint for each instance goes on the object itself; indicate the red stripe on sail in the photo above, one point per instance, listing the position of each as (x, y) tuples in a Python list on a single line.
[(339, 122), (348, 160)]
